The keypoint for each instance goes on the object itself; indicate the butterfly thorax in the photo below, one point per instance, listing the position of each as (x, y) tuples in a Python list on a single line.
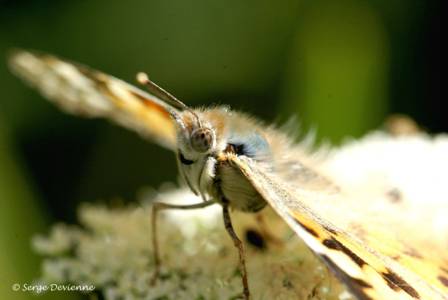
[(206, 173)]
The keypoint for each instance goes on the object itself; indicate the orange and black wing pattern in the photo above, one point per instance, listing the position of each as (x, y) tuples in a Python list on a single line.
[(82, 91), (367, 269)]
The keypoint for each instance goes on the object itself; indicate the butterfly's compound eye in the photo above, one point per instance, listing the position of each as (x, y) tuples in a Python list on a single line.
[(202, 139)]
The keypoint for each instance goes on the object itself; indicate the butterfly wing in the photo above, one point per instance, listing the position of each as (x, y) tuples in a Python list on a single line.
[(367, 271), (83, 91)]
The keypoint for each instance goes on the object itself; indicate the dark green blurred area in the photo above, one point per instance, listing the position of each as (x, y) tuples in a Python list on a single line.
[(340, 67)]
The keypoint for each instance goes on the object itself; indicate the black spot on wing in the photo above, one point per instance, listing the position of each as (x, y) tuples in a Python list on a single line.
[(394, 195), (306, 228), (443, 280), (396, 257), (355, 286), (332, 243), (412, 252), (255, 239), (395, 282), (330, 230)]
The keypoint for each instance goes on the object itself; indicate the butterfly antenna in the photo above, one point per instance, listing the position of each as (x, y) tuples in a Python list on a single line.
[(156, 90)]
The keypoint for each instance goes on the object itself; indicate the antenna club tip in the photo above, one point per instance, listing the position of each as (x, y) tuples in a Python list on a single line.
[(142, 77)]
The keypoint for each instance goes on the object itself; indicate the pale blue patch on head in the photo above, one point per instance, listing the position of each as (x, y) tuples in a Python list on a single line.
[(253, 145)]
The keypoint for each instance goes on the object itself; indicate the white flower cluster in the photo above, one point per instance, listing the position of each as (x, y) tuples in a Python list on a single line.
[(112, 251)]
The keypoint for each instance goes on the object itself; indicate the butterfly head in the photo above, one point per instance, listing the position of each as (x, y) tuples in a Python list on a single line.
[(196, 139), (194, 135), (196, 148)]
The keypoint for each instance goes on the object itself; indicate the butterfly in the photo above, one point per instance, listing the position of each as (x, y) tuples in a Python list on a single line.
[(377, 244)]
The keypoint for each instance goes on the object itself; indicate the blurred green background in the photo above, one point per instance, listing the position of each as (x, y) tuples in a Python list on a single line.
[(339, 66)]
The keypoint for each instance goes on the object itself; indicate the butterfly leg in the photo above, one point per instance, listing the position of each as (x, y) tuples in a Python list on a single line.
[(238, 244), (157, 206)]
